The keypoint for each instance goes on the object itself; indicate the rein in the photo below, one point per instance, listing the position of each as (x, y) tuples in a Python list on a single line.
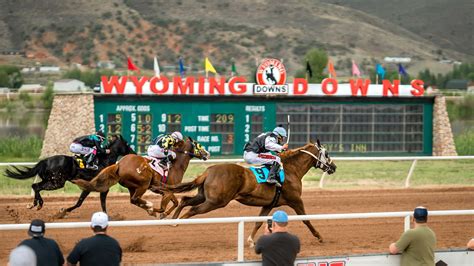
[(191, 154), (317, 159)]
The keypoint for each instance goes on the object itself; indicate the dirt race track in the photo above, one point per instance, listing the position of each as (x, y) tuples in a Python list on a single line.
[(201, 243)]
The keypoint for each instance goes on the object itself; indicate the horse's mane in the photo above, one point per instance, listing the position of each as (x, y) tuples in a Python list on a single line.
[(290, 154)]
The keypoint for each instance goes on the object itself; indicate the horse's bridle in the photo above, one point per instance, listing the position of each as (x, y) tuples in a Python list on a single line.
[(321, 161)]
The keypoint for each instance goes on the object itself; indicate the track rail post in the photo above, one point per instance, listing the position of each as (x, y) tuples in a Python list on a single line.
[(240, 239)]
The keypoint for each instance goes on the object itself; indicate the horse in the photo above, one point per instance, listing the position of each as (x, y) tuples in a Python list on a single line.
[(134, 173), (54, 171), (219, 184)]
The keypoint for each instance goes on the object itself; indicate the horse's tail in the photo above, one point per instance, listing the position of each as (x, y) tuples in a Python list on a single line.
[(27, 172), (103, 181), (183, 187)]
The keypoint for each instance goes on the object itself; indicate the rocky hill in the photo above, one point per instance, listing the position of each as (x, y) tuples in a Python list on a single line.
[(87, 31)]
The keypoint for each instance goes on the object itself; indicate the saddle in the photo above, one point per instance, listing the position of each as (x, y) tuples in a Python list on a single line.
[(80, 161), (261, 174), (157, 167)]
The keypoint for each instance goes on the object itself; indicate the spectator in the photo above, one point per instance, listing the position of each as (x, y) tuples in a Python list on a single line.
[(22, 256), (416, 245), (46, 250), (470, 244), (99, 249), (277, 246)]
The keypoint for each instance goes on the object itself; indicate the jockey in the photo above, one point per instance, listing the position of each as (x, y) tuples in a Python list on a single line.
[(258, 151), (161, 147), (89, 146)]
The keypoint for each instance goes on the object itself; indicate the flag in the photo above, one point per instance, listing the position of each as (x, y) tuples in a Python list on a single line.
[(355, 69), (131, 66), (380, 70), (209, 66), (308, 69), (402, 70), (181, 66), (233, 69), (332, 72), (156, 67)]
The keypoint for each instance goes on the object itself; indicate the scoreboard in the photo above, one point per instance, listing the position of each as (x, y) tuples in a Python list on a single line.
[(345, 125)]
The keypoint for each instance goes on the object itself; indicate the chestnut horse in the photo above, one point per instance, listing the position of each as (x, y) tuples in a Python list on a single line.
[(134, 173), (220, 184)]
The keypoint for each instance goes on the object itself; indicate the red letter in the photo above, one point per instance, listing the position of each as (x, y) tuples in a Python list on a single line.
[(418, 86), (359, 86), (109, 85), (387, 86), (324, 85), (139, 83), (163, 80), (201, 83), (180, 88), (214, 85), (242, 88), (297, 82)]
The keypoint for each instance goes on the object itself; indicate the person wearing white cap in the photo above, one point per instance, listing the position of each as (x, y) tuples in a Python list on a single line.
[(47, 251), (277, 246), (22, 256), (417, 245), (99, 249)]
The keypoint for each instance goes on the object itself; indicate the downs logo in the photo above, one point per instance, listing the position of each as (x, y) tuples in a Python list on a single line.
[(271, 78), (332, 263)]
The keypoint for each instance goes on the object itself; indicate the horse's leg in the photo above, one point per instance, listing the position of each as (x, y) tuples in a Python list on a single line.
[(298, 206), (135, 198), (48, 183), (78, 204), (103, 200), (173, 199), (189, 201), (204, 207), (263, 212), (36, 188)]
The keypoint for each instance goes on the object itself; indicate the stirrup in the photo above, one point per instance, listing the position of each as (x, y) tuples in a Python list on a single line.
[(273, 181), (92, 167)]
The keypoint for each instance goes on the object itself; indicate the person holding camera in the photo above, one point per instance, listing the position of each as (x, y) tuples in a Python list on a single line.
[(277, 246)]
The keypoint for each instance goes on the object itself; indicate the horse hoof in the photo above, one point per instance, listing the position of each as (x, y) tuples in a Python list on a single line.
[(251, 242), (30, 206), (163, 216)]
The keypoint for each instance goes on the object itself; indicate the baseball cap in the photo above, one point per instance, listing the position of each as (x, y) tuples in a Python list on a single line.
[(280, 217), (22, 256), (420, 213), (100, 219), (37, 228)]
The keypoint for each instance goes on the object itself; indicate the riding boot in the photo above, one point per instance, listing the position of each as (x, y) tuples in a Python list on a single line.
[(166, 162), (91, 162), (273, 175)]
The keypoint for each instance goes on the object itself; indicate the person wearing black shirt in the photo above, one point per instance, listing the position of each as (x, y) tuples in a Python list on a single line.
[(46, 250), (277, 246), (99, 249)]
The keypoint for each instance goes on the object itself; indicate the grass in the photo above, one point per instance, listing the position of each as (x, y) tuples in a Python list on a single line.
[(465, 143), (349, 174), (20, 149)]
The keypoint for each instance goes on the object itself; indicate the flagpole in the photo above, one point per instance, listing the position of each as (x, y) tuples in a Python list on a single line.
[(376, 78), (400, 77)]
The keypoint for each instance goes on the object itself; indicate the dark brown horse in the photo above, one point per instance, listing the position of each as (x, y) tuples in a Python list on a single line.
[(220, 184), (134, 173)]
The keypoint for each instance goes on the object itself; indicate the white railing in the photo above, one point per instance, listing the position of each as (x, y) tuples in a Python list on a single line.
[(321, 181), (241, 221)]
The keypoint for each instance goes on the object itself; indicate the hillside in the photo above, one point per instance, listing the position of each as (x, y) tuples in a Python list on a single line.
[(86, 31)]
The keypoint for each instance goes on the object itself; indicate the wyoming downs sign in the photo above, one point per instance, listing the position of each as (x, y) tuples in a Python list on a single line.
[(238, 86)]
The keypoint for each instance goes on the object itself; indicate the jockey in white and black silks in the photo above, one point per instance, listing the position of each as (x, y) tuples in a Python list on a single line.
[(161, 147), (90, 146), (258, 151)]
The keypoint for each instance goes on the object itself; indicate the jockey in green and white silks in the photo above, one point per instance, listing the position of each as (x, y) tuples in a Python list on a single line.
[(90, 146), (161, 147), (258, 151)]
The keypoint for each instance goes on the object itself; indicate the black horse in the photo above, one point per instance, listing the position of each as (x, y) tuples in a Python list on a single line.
[(54, 171)]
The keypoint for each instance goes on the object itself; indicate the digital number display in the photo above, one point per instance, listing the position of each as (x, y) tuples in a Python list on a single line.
[(174, 122), (223, 118), (114, 124), (144, 132), (223, 125)]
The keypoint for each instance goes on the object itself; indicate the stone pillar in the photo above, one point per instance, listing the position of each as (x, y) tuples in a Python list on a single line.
[(72, 115), (443, 142)]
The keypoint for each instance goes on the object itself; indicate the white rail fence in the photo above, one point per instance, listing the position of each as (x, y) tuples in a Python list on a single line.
[(415, 159), (242, 220)]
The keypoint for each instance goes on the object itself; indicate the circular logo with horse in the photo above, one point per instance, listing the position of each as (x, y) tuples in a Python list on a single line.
[(271, 72)]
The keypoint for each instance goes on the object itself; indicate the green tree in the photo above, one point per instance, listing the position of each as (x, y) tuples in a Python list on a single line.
[(14, 78), (317, 59), (48, 96)]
